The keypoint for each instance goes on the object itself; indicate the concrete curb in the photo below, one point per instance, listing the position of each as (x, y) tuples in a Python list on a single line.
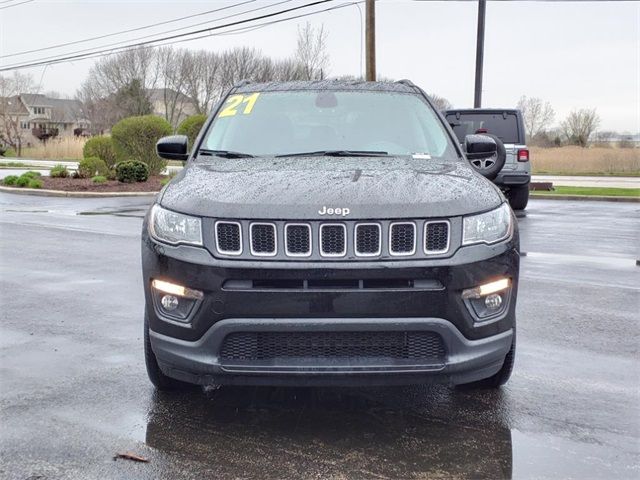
[(60, 193), (595, 198)]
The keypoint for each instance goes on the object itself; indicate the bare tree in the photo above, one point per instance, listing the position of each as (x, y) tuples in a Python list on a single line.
[(173, 66), (97, 107), (604, 138), (239, 64), (132, 73), (311, 52), (579, 126), (537, 114), (201, 79), (439, 102), (12, 109)]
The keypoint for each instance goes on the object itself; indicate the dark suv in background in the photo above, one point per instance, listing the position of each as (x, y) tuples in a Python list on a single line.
[(509, 168), (329, 233)]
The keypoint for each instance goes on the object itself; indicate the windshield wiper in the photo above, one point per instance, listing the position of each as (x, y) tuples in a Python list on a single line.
[(337, 153), (225, 153)]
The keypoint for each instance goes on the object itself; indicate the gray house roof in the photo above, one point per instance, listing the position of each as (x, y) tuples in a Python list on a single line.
[(62, 110), (12, 106)]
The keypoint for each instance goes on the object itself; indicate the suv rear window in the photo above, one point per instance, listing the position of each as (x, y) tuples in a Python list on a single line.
[(502, 125)]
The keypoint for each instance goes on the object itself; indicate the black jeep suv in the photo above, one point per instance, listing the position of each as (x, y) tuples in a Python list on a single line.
[(329, 233)]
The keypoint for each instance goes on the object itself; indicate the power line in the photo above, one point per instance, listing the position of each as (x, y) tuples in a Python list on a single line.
[(142, 44), (120, 42), (75, 42), (207, 35), (16, 4)]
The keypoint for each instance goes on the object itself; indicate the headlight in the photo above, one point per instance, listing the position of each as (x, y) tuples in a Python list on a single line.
[(489, 227), (172, 227)]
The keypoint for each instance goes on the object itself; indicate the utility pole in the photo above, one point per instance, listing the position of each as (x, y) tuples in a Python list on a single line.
[(477, 98), (371, 40)]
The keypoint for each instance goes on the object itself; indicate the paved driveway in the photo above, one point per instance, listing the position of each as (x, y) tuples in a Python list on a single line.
[(73, 390)]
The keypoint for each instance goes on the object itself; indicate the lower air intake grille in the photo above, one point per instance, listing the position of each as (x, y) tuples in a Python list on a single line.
[(436, 237), (333, 241), (272, 345), (263, 239), (228, 238)]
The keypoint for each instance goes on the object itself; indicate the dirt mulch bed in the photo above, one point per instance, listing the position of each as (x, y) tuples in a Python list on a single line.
[(86, 185)]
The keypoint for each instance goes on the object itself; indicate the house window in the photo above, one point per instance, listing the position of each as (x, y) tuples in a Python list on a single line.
[(24, 125), (38, 110)]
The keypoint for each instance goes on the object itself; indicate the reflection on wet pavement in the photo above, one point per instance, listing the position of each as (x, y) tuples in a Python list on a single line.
[(282, 432)]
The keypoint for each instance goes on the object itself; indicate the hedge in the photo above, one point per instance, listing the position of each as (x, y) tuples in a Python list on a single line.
[(101, 147), (132, 171), (191, 126), (135, 138), (92, 166)]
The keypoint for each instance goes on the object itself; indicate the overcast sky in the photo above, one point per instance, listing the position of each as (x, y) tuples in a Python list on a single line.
[(573, 54)]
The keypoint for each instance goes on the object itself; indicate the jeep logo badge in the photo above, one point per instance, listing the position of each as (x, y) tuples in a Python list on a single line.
[(334, 211)]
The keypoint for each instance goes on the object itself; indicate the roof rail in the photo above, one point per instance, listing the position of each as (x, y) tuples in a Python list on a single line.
[(241, 83), (407, 82)]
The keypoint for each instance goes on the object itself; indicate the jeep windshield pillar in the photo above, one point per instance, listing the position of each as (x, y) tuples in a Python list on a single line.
[(329, 233)]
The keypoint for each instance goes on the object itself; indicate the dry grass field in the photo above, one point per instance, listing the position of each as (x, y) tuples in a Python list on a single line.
[(570, 160), (56, 149), (579, 161)]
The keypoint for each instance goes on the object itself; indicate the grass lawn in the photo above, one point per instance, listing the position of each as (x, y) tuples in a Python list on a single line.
[(13, 165), (589, 174), (600, 191)]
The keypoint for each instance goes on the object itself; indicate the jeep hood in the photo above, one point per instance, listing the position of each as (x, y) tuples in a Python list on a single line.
[(297, 187)]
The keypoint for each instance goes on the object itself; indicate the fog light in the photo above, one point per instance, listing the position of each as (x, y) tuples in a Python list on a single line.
[(175, 302), (486, 289), (178, 290), (169, 303), (493, 301)]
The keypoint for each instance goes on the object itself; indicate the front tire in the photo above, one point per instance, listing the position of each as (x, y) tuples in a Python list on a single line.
[(161, 381), (518, 197)]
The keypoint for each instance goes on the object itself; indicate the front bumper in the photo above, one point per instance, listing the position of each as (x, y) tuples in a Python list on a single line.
[(192, 351), (199, 362)]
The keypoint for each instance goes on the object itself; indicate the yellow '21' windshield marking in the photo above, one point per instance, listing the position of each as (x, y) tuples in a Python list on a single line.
[(234, 101)]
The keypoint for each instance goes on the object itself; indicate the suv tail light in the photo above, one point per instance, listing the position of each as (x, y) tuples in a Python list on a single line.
[(523, 155)]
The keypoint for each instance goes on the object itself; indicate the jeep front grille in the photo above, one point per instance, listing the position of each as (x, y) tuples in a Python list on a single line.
[(229, 238), (263, 239), (411, 345), (348, 240)]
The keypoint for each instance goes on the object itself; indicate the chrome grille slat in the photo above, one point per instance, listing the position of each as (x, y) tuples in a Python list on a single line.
[(228, 237), (333, 240), (436, 237), (263, 239), (402, 238), (368, 239), (297, 239)]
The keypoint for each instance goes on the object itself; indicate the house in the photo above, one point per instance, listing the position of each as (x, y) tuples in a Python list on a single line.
[(171, 104), (35, 117)]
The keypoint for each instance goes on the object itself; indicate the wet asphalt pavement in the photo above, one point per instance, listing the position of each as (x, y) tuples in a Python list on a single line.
[(74, 392)]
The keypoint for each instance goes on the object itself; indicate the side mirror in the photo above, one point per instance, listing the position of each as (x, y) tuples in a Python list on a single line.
[(479, 146), (174, 147)]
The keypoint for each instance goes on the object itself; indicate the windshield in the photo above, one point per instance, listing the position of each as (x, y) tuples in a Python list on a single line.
[(293, 122)]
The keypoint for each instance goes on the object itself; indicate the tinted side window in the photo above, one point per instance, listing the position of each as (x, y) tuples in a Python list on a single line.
[(505, 127)]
